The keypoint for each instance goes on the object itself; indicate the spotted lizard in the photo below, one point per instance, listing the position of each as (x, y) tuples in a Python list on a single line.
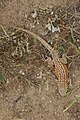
[(60, 68)]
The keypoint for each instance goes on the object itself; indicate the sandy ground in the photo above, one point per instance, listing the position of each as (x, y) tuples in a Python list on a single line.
[(30, 91)]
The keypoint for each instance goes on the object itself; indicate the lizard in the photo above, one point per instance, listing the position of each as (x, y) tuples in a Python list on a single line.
[(60, 68)]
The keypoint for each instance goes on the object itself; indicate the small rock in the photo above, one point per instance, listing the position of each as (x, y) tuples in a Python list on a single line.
[(34, 14)]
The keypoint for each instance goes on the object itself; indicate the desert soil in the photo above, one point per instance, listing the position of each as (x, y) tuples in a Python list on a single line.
[(28, 87)]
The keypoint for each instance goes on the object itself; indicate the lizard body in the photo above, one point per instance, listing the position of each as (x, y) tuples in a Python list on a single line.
[(60, 69)]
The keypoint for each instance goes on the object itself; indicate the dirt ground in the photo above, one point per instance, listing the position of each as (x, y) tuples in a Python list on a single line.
[(28, 88)]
